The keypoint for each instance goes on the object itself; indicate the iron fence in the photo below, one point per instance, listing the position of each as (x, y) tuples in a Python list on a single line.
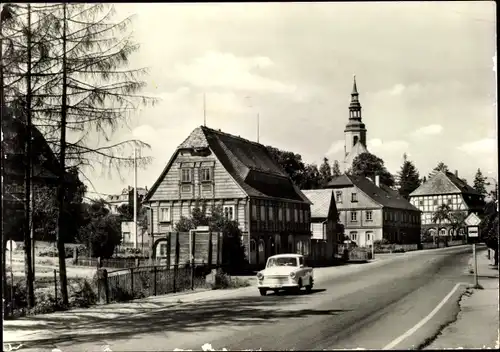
[(140, 282)]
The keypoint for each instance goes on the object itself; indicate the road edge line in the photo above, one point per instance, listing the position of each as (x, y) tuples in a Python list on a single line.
[(422, 322)]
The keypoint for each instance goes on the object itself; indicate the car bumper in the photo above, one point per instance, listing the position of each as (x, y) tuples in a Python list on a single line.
[(277, 286)]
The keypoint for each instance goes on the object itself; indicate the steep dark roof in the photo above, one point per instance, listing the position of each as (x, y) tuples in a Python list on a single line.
[(249, 163), (444, 183), (44, 162), (383, 195)]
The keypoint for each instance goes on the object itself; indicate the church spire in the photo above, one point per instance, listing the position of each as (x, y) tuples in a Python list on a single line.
[(354, 87), (355, 106)]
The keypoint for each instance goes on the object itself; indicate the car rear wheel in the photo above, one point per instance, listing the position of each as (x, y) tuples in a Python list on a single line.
[(310, 286), (262, 291)]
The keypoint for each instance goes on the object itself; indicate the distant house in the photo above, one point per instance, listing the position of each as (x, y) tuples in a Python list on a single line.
[(324, 217), (114, 201), (371, 211), (445, 188), (241, 176)]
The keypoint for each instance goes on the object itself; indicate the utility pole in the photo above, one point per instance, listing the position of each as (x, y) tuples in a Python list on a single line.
[(204, 110), (258, 127), (135, 197)]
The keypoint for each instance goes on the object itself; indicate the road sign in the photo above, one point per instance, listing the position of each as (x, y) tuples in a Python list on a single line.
[(473, 231), (472, 220)]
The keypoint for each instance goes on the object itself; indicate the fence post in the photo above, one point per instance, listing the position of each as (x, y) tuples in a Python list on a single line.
[(132, 281), (176, 263), (169, 249), (192, 253), (102, 286), (154, 280), (55, 285)]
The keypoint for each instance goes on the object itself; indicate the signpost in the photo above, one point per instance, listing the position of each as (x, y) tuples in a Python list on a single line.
[(472, 221), (11, 246)]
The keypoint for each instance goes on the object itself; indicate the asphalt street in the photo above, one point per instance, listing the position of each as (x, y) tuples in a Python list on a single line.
[(369, 308)]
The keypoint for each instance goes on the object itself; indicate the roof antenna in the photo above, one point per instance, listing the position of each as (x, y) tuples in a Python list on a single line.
[(204, 111)]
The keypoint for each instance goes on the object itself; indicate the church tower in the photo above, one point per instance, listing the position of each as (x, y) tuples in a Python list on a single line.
[(355, 131)]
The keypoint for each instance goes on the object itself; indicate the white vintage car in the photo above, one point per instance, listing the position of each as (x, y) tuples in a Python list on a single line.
[(285, 272)]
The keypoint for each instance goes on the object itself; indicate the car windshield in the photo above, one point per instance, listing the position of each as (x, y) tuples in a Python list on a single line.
[(282, 261)]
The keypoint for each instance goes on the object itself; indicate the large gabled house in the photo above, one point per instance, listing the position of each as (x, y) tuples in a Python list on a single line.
[(445, 188), (241, 176), (371, 211)]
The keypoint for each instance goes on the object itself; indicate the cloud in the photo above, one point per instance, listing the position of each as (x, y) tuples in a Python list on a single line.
[(428, 130), (336, 147), (482, 146), (377, 145), (227, 71), (397, 89)]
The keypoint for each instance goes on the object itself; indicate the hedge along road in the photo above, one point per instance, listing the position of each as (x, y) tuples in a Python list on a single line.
[(366, 308)]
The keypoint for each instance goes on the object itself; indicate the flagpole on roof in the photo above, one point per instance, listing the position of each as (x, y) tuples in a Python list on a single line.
[(258, 127), (204, 110)]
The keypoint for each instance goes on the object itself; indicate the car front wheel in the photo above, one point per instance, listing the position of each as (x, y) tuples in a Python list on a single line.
[(262, 291)]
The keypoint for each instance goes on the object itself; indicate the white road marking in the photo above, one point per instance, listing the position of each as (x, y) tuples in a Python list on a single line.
[(421, 323)]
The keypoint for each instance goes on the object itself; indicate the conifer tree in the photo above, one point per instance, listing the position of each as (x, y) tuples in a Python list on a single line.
[(408, 178)]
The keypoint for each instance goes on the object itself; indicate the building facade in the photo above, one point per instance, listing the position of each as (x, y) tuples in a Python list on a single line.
[(446, 188), (241, 176), (324, 219), (114, 201), (355, 131), (371, 211)]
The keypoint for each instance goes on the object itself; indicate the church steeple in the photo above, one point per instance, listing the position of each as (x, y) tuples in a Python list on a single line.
[(355, 130), (355, 106)]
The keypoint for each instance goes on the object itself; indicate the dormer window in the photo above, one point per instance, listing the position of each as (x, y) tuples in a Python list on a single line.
[(354, 197)]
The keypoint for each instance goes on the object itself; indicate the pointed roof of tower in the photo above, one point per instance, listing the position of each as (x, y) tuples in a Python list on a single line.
[(354, 87)]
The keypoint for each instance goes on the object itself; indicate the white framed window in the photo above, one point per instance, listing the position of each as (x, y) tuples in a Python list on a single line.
[(186, 176), (354, 216), (338, 196), (165, 214), (206, 175), (301, 216), (296, 215), (253, 245), (229, 212), (262, 213), (288, 213), (280, 214), (354, 197), (353, 235), (369, 215), (369, 236), (271, 213)]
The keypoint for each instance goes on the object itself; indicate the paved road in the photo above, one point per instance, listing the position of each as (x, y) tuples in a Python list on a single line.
[(367, 309)]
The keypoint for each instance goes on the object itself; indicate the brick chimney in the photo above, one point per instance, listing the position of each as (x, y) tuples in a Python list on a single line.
[(377, 180), (456, 173)]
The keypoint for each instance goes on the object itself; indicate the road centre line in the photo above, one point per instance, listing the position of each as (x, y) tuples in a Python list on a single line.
[(421, 323)]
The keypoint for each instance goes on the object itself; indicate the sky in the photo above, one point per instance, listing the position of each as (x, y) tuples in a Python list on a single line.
[(425, 73)]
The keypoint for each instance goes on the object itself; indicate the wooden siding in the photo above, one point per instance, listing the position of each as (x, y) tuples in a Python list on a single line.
[(222, 183), (183, 208), (261, 221)]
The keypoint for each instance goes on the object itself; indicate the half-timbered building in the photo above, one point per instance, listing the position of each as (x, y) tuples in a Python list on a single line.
[(241, 176), (446, 188)]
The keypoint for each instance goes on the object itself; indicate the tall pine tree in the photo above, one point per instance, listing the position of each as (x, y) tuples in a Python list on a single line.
[(409, 179), (325, 172), (480, 182)]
